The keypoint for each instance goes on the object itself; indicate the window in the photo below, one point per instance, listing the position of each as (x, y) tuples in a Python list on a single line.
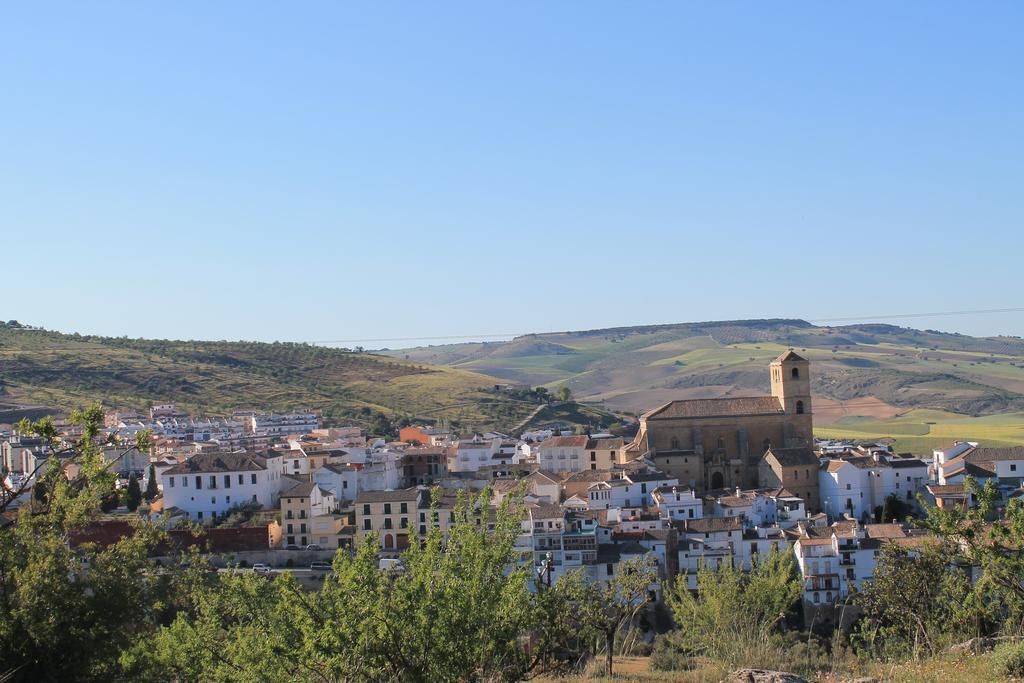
[(675, 443), (721, 442), (404, 523), (302, 528), (213, 481), (199, 514), (1013, 468), (610, 569), (387, 523), (366, 524), (171, 480), (796, 375), (199, 482), (423, 528), (403, 508), (253, 477), (387, 508), (254, 498), (366, 509), (847, 487), (799, 407), (227, 481), (593, 456), (290, 530), (817, 597), (593, 465), (213, 500), (423, 516), (344, 484), (241, 479)]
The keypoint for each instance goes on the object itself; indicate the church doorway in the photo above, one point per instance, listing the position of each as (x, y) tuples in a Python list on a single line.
[(717, 480)]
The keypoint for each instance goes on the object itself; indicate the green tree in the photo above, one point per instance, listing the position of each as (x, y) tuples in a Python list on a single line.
[(133, 494), (564, 393), (973, 539), (456, 612), (735, 615), (152, 491), (916, 602), (68, 613), (605, 609)]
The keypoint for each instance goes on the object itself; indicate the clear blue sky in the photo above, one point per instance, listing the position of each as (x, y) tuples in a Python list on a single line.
[(335, 170)]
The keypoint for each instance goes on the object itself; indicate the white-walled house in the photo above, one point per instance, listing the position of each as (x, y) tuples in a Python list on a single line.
[(845, 488), (678, 503), (563, 453), (210, 484), (472, 454), (341, 479)]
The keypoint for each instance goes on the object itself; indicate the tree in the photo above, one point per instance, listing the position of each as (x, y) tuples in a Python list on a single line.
[(605, 608), (916, 601), (133, 494), (152, 491), (564, 393), (458, 611), (735, 614), (66, 612), (997, 549)]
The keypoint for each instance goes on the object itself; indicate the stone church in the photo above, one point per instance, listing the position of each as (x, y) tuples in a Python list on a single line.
[(715, 443)]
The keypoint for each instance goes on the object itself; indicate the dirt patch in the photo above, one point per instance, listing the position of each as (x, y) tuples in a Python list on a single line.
[(827, 410)]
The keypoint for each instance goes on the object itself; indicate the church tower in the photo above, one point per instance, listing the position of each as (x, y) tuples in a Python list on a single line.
[(791, 383)]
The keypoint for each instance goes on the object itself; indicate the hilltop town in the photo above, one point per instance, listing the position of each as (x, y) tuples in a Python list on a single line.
[(703, 484)]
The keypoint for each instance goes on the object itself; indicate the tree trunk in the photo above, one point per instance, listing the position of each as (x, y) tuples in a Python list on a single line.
[(610, 637)]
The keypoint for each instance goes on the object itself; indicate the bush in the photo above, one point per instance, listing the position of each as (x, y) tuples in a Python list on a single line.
[(1013, 665), (668, 656)]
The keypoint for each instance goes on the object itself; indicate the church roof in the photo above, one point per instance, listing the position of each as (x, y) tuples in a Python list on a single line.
[(719, 407), (790, 355)]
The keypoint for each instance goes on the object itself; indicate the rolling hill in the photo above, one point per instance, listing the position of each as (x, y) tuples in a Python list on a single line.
[(50, 369), (868, 380)]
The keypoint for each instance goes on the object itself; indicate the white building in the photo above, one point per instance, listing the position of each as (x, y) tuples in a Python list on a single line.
[(470, 455), (210, 484), (563, 453)]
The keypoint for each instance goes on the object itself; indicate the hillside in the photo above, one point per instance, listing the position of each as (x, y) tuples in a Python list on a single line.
[(867, 379), (41, 368)]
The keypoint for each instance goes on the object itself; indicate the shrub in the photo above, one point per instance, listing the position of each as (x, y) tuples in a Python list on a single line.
[(1013, 665), (668, 656)]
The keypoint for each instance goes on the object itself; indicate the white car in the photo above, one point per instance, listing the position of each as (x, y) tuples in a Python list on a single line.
[(261, 568)]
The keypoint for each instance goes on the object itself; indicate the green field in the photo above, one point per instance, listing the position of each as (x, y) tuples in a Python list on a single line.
[(919, 431)]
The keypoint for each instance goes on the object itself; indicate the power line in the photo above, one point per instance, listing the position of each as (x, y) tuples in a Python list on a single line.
[(507, 335)]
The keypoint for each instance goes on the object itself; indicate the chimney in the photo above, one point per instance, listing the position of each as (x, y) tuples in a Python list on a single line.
[(738, 491)]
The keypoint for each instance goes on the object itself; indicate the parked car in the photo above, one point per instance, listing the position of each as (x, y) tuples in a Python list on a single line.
[(313, 546), (320, 566), (261, 568), (291, 546)]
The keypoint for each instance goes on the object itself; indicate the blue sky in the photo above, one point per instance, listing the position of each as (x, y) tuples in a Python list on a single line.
[(368, 170)]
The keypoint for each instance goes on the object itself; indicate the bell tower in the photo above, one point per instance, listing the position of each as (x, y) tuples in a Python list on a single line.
[(791, 383)]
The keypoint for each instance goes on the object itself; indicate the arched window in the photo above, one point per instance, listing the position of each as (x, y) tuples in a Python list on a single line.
[(796, 373), (721, 442), (799, 407)]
